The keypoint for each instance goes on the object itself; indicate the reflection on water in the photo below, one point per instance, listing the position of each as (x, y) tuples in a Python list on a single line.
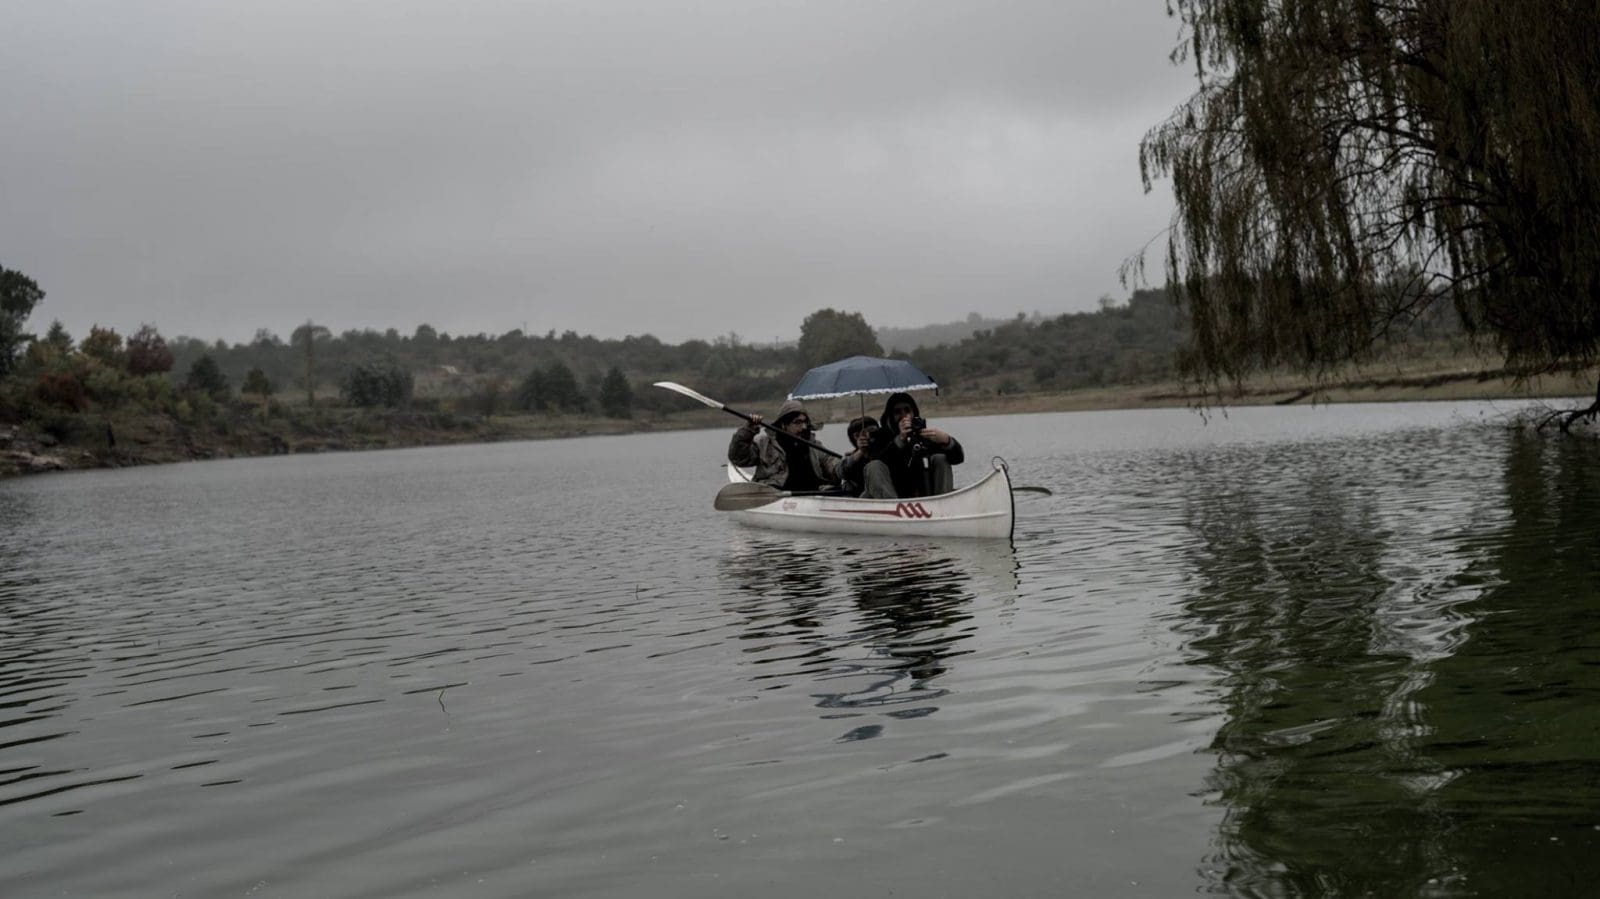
[(879, 656), (1405, 703)]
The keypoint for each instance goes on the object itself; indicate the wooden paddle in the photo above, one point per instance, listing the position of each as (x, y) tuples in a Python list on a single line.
[(741, 495), (679, 388)]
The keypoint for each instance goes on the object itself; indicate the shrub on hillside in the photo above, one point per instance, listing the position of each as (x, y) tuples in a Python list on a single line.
[(108, 386), (369, 384), (64, 425), (62, 390)]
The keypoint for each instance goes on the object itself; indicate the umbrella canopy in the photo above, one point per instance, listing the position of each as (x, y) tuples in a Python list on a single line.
[(860, 375)]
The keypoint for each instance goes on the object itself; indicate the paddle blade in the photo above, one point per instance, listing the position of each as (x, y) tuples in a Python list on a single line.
[(680, 389), (745, 495)]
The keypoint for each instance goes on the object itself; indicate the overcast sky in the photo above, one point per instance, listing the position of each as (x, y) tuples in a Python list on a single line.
[(613, 167)]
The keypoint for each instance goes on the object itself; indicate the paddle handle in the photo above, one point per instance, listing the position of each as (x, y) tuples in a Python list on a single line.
[(702, 398), (783, 433)]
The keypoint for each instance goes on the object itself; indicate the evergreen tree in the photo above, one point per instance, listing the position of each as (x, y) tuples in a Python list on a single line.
[(552, 388), (206, 377), (18, 295), (256, 384), (616, 396), (58, 337), (531, 393)]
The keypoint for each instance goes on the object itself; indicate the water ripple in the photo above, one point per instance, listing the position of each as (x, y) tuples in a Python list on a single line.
[(1213, 649)]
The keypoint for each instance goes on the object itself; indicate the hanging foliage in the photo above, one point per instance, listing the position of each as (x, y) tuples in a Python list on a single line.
[(1348, 167)]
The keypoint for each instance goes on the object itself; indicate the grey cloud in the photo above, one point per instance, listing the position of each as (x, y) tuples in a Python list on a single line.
[(609, 167)]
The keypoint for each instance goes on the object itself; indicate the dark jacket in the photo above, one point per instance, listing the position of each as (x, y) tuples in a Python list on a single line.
[(757, 446), (905, 457), (851, 476)]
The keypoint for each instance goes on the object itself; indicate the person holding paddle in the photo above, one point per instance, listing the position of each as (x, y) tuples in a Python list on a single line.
[(783, 455)]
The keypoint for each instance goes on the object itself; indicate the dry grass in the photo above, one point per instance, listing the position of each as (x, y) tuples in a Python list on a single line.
[(1453, 378)]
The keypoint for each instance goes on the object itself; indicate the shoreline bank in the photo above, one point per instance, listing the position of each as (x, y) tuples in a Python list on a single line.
[(153, 442)]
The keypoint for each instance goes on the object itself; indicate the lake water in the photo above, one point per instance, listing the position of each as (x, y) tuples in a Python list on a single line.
[(1349, 650)]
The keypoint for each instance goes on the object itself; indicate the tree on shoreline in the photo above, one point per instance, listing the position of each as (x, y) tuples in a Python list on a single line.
[(18, 295), (829, 335), (616, 396), (1344, 168)]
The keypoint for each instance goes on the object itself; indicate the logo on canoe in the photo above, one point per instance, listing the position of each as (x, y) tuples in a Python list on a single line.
[(900, 510), (911, 510)]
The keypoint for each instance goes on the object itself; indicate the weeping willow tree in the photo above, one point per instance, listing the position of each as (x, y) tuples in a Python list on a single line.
[(1348, 166)]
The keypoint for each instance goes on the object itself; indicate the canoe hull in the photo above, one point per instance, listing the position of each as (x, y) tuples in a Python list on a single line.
[(983, 510)]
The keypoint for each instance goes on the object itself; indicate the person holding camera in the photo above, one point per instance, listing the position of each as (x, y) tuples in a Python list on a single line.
[(918, 457), (862, 473)]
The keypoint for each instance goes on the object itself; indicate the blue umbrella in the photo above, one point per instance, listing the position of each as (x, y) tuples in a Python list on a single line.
[(861, 375)]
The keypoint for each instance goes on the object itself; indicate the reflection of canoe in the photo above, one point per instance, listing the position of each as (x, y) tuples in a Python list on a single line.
[(983, 509)]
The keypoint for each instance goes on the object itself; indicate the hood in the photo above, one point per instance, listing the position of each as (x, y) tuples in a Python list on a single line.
[(789, 407), (894, 400)]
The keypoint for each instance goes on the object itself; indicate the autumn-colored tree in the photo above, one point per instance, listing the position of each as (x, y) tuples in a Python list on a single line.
[(147, 352), (104, 345), (63, 389)]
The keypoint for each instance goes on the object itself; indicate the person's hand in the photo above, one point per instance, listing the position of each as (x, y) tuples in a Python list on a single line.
[(905, 427), (936, 436), (755, 420)]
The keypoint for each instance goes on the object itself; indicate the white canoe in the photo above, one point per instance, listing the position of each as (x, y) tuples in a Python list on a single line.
[(983, 509)]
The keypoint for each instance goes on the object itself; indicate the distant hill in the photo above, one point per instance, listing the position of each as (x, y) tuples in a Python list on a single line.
[(904, 340)]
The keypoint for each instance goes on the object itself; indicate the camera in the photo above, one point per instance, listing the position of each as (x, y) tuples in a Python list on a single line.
[(918, 447)]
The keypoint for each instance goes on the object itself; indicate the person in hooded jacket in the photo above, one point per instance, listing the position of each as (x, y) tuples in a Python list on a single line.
[(788, 464), (918, 458)]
